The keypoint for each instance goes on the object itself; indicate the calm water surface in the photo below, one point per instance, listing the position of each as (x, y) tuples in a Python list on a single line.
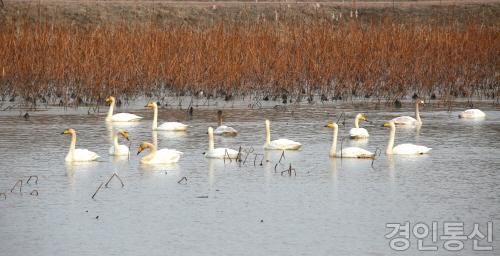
[(330, 206)]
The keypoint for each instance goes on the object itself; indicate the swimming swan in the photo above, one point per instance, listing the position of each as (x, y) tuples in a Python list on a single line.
[(280, 144), (117, 149), (162, 156), (218, 152), (356, 132), (402, 149), (349, 152), (76, 154), (472, 113), (408, 120), (168, 126), (223, 129), (120, 117)]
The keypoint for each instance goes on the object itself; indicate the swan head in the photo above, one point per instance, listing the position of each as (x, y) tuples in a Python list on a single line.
[(142, 147), (419, 101), (219, 113), (110, 99), (210, 130), (69, 131), (362, 117), (331, 125), (123, 133), (268, 122), (151, 105), (389, 124)]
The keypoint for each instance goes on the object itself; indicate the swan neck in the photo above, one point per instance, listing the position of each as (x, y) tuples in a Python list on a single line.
[(115, 140), (417, 114), (72, 147), (155, 117), (210, 140), (152, 152), (390, 145), (268, 134), (356, 122), (333, 148), (111, 109)]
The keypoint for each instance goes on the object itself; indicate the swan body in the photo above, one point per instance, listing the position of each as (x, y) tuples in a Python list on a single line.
[(402, 149), (120, 117), (356, 132), (162, 156), (349, 152), (224, 130), (167, 126), (117, 149), (472, 113), (218, 152), (280, 144), (76, 154), (408, 120)]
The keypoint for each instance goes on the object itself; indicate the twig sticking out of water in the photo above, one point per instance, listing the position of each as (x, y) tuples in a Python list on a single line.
[(102, 183), (183, 179), (32, 176), (282, 156), (112, 176), (341, 145), (238, 157), (377, 150), (226, 153), (255, 159), (289, 171), (20, 182), (34, 192), (4, 196), (342, 116)]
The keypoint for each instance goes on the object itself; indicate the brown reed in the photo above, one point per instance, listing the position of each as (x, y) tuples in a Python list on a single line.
[(385, 59)]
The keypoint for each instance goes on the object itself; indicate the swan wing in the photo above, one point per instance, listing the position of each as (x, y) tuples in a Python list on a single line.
[(284, 144), (404, 120), (472, 113), (358, 133), (221, 153), (410, 149), (355, 152), (172, 126), (125, 117), (122, 150), (167, 156), (84, 155), (225, 130)]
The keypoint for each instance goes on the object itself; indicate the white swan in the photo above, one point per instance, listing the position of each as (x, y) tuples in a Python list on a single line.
[(76, 154), (349, 152), (402, 149), (162, 156), (218, 152), (168, 126), (408, 120), (120, 117), (472, 113), (223, 129), (280, 144), (356, 132), (117, 149)]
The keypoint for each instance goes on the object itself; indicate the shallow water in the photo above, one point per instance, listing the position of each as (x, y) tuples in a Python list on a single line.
[(329, 207)]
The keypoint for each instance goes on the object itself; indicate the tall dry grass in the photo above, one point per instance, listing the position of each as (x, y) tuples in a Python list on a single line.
[(378, 60)]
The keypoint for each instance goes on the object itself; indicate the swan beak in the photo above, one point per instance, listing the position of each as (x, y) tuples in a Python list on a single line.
[(149, 105), (329, 125), (139, 151), (66, 132), (386, 124)]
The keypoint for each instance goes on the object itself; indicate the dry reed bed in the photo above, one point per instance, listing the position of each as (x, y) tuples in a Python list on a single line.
[(384, 60)]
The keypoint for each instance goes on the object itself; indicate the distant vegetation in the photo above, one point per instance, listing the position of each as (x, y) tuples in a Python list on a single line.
[(333, 55)]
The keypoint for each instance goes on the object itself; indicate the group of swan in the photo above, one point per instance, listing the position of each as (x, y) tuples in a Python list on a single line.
[(158, 156)]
